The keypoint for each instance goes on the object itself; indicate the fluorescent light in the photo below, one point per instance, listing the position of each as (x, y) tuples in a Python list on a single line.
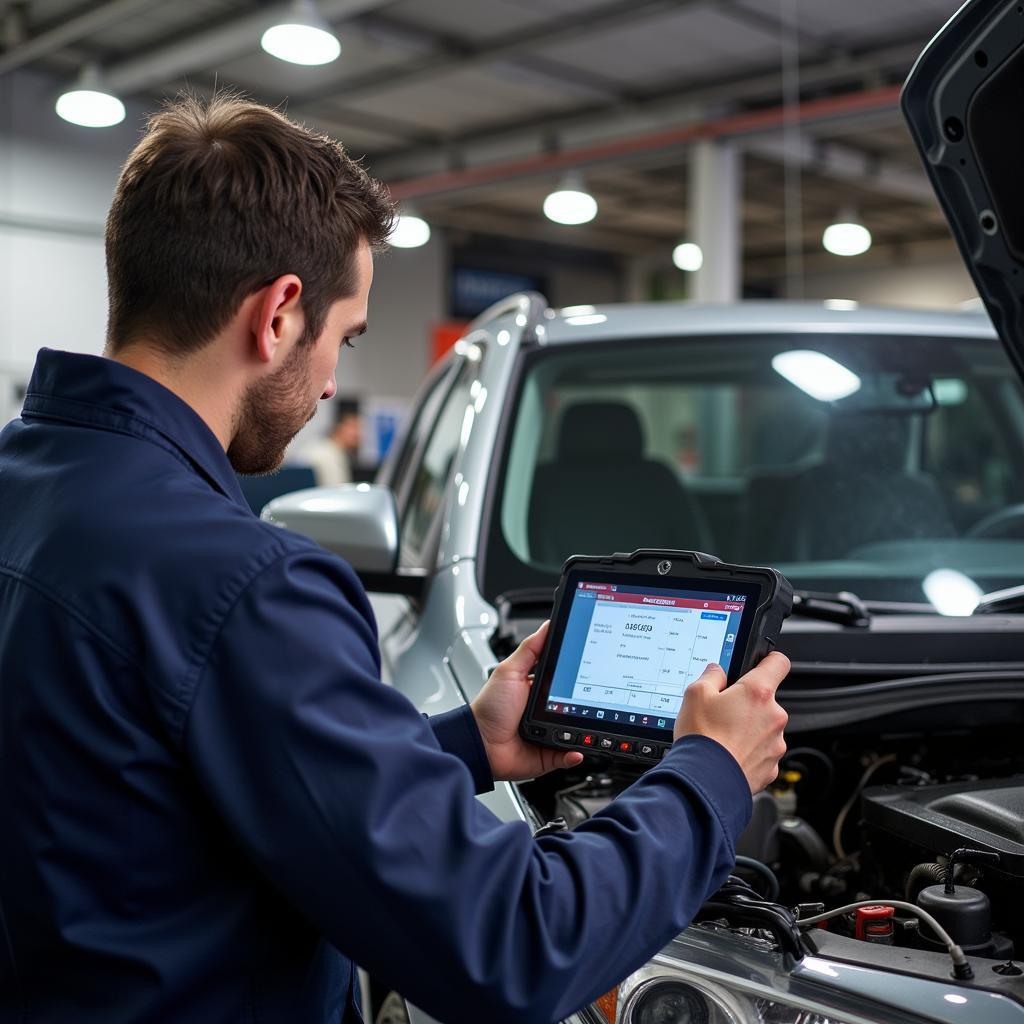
[(89, 104), (846, 238), (842, 304), (570, 203), (577, 310), (816, 374), (304, 38), (688, 256), (951, 592), (409, 232)]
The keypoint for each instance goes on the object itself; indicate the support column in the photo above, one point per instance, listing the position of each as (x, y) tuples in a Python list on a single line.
[(715, 219)]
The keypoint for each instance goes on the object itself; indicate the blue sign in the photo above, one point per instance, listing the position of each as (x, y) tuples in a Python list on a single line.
[(474, 289)]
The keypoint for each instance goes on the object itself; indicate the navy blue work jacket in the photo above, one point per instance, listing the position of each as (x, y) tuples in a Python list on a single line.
[(210, 806)]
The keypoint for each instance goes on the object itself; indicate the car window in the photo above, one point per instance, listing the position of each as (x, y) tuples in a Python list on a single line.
[(741, 446), (399, 475), (967, 448), (431, 475)]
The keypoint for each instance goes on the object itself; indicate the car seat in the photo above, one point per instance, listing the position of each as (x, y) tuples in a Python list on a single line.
[(601, 495), (862, 491)]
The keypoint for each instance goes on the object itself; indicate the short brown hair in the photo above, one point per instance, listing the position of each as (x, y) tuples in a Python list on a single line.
[(220, 198)]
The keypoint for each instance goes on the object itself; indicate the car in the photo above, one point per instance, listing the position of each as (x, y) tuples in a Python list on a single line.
[(875, 457)]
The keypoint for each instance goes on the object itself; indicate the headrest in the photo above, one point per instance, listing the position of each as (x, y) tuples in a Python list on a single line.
[(595, 429), (873, 441)]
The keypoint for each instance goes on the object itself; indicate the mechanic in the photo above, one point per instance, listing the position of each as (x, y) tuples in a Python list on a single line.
[(211, 805)]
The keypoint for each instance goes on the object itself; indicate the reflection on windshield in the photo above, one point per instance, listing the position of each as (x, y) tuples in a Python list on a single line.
[(737, 446)]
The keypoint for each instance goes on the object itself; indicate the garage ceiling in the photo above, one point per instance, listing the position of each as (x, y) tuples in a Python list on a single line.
[(430, 90)]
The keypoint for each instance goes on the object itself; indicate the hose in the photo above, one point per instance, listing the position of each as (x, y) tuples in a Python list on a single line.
[(837, 830), (922, 875), (762, 869), (961, 966), (822, 758)]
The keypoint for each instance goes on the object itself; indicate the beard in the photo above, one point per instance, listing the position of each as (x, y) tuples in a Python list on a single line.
[(272, 412)]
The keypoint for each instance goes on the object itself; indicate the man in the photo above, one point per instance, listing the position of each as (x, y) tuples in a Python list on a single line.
[(335, 458), (210, 804)]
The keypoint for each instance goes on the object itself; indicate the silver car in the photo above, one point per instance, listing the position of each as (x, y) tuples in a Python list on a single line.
[(877, 459)]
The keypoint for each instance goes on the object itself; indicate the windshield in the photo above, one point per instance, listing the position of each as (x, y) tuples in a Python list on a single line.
[(877, 464)]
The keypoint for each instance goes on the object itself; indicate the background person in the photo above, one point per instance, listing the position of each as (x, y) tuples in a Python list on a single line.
[(335, 458)]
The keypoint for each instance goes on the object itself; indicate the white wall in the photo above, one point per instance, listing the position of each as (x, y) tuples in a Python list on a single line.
[(56, 182), (932, 285)]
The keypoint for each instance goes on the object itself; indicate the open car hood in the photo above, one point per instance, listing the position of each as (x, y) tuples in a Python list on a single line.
[(963, 103)]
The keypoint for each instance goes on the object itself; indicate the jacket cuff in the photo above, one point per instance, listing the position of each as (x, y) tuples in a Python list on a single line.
[(711, 770), (457, 733)]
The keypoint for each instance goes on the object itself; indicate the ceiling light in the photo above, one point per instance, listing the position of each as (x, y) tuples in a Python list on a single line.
[(688, 256), (304, 38), (846, 304), (847, 237), (570, 203), (89, 104), (816, 374), (409, 232), (951, 592)]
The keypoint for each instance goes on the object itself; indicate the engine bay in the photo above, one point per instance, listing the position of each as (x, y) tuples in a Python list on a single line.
[(908, 809)]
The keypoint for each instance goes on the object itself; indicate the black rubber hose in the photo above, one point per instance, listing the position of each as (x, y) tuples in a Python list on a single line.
[(922, 875), (762, 869), (830, 771)]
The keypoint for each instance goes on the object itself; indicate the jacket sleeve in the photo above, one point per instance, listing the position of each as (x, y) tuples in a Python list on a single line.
[(341, 794), (457, 733)]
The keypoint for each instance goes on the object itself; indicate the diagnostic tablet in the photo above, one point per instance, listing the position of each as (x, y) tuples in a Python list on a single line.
[(629, 633)]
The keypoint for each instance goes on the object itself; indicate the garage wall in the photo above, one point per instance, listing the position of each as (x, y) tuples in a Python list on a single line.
[(939, 285), (56, 183)]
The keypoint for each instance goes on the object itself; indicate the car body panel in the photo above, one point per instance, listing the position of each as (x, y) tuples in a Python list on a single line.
[(961, 101)]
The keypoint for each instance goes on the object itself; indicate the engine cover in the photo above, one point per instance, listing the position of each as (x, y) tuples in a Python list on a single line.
[(986, 815)]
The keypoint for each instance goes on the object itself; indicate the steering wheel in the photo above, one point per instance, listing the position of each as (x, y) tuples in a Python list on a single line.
[(994, 525)]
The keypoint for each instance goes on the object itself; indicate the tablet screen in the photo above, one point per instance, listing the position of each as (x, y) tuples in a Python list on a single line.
[(628, 651)]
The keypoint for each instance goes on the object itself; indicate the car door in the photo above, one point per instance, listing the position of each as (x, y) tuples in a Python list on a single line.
[(419, 476)]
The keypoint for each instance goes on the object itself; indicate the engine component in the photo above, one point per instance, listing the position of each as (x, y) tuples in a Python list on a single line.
[(760, 839), (875, 924), (965, 913), (988, 815)]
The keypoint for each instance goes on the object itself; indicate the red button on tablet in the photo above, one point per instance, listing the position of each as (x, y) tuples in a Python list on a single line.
[(588, 740), (626, 747)]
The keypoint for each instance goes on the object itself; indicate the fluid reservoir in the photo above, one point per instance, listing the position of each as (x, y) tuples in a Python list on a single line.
[(964, 912)]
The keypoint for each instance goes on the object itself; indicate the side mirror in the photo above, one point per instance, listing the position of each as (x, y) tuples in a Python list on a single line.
[(358, 522)]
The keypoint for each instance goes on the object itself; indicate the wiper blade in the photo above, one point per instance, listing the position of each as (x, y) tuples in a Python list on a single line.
[(1001, 601), (843, 607)]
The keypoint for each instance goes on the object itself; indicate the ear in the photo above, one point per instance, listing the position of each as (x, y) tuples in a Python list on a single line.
[(277, 318)]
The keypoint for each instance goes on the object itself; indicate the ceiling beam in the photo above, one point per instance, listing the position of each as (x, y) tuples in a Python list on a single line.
[(574, 26), (69, 29), (843, 163), (732, 126), (233, 36), (422, 42), (751, 83)]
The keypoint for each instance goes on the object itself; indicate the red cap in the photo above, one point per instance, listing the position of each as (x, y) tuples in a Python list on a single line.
[(874, 924)]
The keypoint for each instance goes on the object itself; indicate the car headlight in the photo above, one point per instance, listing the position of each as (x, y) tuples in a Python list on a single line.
[(669, 1000)]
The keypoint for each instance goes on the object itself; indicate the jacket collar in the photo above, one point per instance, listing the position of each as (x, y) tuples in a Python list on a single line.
[(103, 393)]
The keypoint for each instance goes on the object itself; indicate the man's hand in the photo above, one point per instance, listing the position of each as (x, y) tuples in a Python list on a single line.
[(498, 710), (744, 718)]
